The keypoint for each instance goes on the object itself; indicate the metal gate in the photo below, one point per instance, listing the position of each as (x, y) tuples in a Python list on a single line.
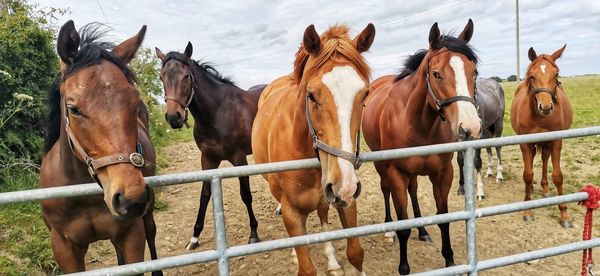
[(222, 253)]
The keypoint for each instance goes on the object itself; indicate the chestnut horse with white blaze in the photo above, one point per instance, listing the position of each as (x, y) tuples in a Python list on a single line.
[(98, 131), (541, 105), (430, 102), (317, 108)]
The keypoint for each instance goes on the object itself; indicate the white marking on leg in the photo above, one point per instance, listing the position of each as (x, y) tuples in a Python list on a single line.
[(389, 236), (194, 240), (294, 256), (332, 263), (355, 271), (490, 171), (278, 210), (344, 83), (467, 114), (499, 177), (480, 194), (543, 67)]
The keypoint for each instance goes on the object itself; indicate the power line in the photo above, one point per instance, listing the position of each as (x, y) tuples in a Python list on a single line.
[(101, 9)]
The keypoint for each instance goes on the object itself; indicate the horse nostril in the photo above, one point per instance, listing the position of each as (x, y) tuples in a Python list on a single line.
[(329, 192), (178, 115), (120, 203), (358, 190)]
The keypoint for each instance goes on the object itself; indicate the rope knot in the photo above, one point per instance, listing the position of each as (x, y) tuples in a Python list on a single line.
[(593, 197), (591, 203)]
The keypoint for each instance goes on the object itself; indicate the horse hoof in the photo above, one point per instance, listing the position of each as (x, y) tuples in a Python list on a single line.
[(566, 224), (528, 218), (335, 272), (461, 191), (404, 269), (499, 180), (450, 263), (253, 240), (480, 197), (278, 212), (546, 195), (192, 245), (389, 237), (426, 238), (157, 273)]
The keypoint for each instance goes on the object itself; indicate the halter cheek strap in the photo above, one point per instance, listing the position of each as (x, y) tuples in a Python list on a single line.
[(320, 145), (94, 164)]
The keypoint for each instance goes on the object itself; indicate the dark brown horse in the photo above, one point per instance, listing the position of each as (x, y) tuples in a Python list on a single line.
[(223, 115), (316, 111), (98, 131), (430, 102), (540, 105)]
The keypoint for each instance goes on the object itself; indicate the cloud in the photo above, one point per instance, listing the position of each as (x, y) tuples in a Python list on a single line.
[(255, 41)]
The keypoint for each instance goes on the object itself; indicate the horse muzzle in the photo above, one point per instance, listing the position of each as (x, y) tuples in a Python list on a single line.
[(336, 200), (126, 208), (545, 110), (175, 119)]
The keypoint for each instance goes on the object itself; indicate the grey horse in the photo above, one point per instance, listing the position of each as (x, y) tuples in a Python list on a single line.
[(490, 99)]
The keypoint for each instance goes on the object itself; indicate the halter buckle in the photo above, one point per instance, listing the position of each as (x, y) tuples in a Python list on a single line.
[(137, 160)]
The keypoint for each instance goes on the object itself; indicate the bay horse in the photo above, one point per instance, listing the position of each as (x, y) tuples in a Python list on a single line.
[(540, 105), (223, 115), (98, 131), (316, 111), (429, 102), (490, 102)]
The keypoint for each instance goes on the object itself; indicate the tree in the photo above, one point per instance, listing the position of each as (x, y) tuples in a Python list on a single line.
[(28, 65), (496, 78), (511, 78)]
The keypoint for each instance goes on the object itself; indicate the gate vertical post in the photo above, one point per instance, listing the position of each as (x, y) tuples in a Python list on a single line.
[(470, 207), (219, 219)]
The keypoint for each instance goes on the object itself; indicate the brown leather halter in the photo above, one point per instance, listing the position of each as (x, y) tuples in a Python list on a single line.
[(318, 144), (441, 104), (94, 164), (186, 105)]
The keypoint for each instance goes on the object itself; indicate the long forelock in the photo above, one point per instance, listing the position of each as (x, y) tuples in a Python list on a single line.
[(335, 43)]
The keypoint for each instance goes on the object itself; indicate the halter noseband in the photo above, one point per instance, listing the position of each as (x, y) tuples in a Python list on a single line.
[(318, 144), (94, 164), (193, 92), (441, 104)]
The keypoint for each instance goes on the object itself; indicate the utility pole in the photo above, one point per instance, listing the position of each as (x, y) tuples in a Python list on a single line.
[(518, 52)]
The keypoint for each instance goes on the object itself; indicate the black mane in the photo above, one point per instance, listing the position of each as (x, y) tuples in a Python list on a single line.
[(92, 50), (205, 67), (453, 44)]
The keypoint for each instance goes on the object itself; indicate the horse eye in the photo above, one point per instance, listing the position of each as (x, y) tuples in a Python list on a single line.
[(74, 111), (311, 97), (437, 75)]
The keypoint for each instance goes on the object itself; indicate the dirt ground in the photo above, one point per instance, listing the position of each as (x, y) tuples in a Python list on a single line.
[(496, 236)]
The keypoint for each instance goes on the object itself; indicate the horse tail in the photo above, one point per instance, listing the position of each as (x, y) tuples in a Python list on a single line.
[(150, 230)]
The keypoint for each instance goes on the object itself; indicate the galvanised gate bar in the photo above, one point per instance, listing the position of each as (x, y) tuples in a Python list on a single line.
[(222, 253)]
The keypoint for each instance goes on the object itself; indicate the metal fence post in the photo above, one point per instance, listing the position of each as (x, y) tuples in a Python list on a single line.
[(470, 207), (219, 218)]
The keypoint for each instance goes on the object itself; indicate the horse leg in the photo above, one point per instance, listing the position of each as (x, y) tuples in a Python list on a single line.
[(246, 195), (544, 182), (414, 200), (557, 178), (150, 230), (354, 250), (295, 224), (399, 185), (132, 243), (478, 164), (441, 187), (333, 267), (69, 256), (461, 180), (385, 190), (499, 176), (528, 152), (490, 171), (207, 163)]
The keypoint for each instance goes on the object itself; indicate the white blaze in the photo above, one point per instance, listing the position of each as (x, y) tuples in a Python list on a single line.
[(344, 83), (543, 67), (467, 114)]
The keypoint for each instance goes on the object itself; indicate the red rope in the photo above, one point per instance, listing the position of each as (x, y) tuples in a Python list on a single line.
[(591, 203)]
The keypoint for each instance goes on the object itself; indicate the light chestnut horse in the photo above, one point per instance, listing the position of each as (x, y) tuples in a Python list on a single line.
[(98, 131), (540, 105), (430, 102), (317, 108)]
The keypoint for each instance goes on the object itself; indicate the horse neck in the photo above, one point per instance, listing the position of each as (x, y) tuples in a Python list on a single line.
[(299, 122), (208, 97)]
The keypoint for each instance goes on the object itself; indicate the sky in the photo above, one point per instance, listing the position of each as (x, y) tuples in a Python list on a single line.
[(255, 41)]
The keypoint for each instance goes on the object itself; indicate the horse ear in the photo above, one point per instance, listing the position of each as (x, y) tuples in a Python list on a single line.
[(467, 33), (364, 40), (532, 55), (67, 44), (127, 49), (159, 54), (188, 50), (556, 55), (311, 41), (435, 41)]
